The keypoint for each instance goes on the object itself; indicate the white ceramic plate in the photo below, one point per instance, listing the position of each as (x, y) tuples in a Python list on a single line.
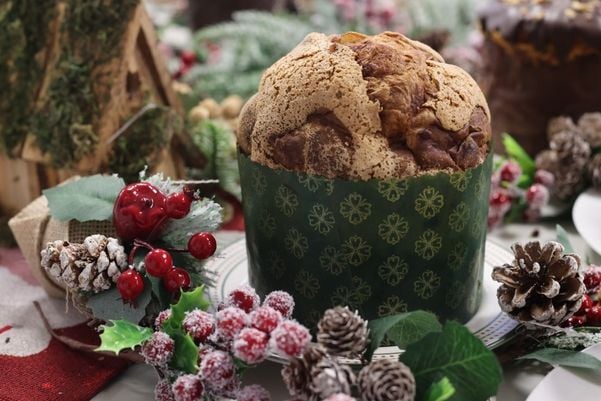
[(564, 384), (587, 218), (489, 324)]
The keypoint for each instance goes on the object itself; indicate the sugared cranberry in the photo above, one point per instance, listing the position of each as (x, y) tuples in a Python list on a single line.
[(280, 301), (244, 297), (250, 346)]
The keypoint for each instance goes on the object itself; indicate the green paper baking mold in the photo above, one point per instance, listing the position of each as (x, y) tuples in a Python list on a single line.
[(380, 246)]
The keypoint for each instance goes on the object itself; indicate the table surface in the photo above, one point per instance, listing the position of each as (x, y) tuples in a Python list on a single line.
[(137, 383)]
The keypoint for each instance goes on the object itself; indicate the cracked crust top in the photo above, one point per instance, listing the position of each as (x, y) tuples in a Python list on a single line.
[(359, 107)]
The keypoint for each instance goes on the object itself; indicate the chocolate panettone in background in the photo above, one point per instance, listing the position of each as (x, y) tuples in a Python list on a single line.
[(542, 59), (365, 170)]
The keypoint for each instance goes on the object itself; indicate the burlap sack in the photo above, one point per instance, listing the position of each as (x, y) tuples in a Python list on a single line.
[(33, 228)]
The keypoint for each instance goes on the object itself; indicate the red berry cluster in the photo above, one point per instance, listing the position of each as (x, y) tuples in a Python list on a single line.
[(506, 193), (590, 311), (242, 332), (139, 215)]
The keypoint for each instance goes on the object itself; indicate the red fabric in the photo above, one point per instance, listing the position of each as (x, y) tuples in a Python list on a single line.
[(52, 371), (58, 372)]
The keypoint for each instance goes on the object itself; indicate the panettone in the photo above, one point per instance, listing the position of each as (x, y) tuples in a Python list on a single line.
[(360, 107)]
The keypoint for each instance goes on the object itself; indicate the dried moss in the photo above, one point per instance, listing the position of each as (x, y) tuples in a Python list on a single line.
[(90, 36), (24, 29), (137, 146)]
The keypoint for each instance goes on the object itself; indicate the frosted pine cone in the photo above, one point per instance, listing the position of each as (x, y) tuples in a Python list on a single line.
[(590, 128), (594, 171), (573, 154), (542, 285), (386, 380), (342, 332), (328, 377), (296, 373), (91, 267), (560, 124)]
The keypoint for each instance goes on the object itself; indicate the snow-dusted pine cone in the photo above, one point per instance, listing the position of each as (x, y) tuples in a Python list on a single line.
[(342, 332), (573, 154), (542, 285), (594, 171), (316, 375), (386, 380), (296, 373), (91, 267), (560, 124), (589, 126)]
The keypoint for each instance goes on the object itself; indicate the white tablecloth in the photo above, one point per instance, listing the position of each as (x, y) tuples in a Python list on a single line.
[(137, 383)]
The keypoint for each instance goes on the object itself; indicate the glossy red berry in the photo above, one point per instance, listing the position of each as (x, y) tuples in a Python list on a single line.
[(592, 279), (188, 57), (587, 304), (158, 262), (130, 285), (593, 316), (139, 212), (202, 245), (178, 205), (575, 321), (176, 279)]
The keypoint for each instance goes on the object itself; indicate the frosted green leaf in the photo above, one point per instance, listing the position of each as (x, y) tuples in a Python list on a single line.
[(89, 198), (205, 215)]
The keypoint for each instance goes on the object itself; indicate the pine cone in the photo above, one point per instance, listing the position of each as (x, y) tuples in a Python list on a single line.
[(560, 124), (328, 378), (590, 128), (342, 332), (386, 380), (315, 376), (542, 284), (91, 266), (573, 154), (296, 373), (594, 171)]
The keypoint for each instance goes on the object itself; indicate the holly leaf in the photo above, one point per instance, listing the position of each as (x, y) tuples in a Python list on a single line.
[(205, 215), (403, 329), (566, 358), (188, 301), (457, 354), (108, 305), (185, 354), (517, 153), (122, 335), (89, 198), (563, 239), (440, 391)]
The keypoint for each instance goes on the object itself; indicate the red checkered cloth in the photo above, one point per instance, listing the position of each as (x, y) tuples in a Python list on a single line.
[(34, 365)]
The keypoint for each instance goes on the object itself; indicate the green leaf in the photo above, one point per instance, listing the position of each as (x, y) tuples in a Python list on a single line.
[(457, 354), (566, 358), (122, 335), (403, 329), (89, 198), (563, 239), (188, 301), (517, 153), (108, 305), (185, 355), (440, 391)]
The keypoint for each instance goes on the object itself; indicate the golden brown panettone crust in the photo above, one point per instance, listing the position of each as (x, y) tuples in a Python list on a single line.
[(360, 107)]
